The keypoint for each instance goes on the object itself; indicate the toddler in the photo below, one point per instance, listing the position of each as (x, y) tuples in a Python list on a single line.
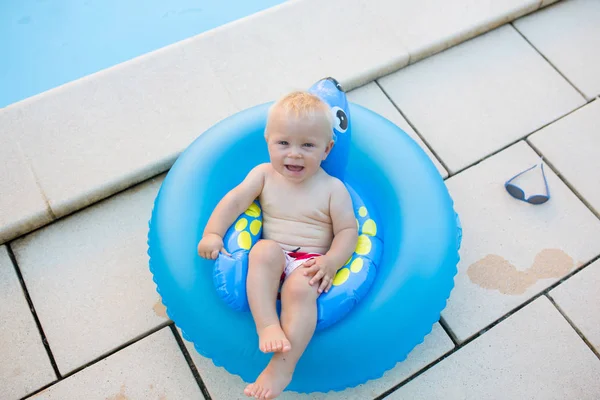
[(309, 232)]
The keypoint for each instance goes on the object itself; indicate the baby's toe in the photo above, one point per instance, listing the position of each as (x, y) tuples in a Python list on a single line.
[(249, 391)]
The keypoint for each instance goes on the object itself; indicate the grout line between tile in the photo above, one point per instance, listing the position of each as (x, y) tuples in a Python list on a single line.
[(448, 331), (190, 362), (563, 179), (65, 216), (38, 391), (524, 137), (487, 328), (549, 63), (117, 349), (413, 127), (13, 259), (566, 317)]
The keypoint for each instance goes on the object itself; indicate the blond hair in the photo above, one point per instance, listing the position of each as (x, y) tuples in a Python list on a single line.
[(302, 104)]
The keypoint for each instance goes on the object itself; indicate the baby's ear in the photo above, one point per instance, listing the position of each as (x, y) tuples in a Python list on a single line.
[(328, 148)]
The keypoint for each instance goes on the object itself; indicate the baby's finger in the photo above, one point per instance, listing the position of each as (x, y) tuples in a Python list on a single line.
[(214, 254), (225, 252), (318, 276), (329, 286), (309, 263), (311, 270), (324, 284)]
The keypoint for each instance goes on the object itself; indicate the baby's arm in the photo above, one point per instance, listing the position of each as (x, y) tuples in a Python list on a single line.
[(345, 236), (345, 231), (229, 208)]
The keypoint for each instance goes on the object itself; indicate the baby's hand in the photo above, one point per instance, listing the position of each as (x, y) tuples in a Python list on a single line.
[(210, 246), (322, 270)]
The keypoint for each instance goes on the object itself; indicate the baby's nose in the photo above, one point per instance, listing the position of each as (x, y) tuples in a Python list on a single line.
[(294, 152)]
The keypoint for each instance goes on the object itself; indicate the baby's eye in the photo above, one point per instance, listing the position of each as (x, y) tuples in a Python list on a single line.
[(283, 143), (308, 145)]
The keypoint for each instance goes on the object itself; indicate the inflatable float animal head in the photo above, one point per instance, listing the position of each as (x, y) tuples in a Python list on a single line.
[(331, 92)]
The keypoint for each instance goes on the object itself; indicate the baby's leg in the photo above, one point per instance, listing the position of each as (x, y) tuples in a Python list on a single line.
[(265, 267), (298, 320)]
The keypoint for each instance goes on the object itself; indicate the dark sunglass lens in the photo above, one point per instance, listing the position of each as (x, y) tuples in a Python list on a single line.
[(515, 192), (537, 199)]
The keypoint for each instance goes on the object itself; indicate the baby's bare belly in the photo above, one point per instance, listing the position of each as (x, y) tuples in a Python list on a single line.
[(310, 236)]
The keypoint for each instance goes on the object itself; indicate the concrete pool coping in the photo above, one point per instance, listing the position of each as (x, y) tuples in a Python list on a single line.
[(72, 146)]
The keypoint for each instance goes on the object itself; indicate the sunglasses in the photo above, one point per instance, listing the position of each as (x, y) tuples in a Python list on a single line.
[(519, 194)]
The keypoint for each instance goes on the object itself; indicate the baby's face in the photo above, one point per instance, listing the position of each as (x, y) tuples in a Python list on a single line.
[(297, 146)]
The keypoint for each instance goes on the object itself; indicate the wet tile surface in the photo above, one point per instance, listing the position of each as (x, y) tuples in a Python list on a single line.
[(512, 250)]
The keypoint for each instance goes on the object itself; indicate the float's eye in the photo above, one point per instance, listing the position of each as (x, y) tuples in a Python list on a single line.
[(340, 119)]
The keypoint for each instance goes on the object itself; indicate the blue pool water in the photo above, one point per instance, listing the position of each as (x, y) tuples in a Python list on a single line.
[(45, 43)]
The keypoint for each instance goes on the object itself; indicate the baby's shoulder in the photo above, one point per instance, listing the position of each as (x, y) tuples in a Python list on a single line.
[(260, 172), (334, 184), (262, 168)]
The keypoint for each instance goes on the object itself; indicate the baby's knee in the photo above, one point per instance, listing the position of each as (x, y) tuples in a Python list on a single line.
[(297, 287), (266, 251)]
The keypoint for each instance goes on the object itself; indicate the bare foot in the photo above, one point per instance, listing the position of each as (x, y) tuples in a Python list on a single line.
[(272, 339), (269, 384)]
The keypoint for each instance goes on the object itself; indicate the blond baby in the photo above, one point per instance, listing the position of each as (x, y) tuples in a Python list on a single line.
[(309, 232)]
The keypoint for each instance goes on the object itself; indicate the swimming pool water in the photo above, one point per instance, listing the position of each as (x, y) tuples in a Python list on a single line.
[(45, 43)]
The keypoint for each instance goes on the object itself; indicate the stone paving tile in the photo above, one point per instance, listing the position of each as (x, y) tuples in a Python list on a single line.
[(534, 354), (152, 369), (568, 35), (512, 250), (24, 364), (225, 386), (88, 277), (579, 299), (372, 47), (22, 204), (455, 24), (571, 145), (98, 135), (373, 98), (479, 96)]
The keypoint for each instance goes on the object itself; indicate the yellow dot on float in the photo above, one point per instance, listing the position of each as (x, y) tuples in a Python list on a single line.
[(363, 246), (241, 224), (253, 210), (362, 211), (369, 228), (357, 265), (341, 276), (244, 240), (255, 226)]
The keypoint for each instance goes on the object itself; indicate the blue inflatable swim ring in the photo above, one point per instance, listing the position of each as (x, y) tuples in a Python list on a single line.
[(420, 239), (354, 279)]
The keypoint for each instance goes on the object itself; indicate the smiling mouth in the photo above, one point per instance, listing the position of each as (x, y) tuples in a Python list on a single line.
[(294, 168)]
